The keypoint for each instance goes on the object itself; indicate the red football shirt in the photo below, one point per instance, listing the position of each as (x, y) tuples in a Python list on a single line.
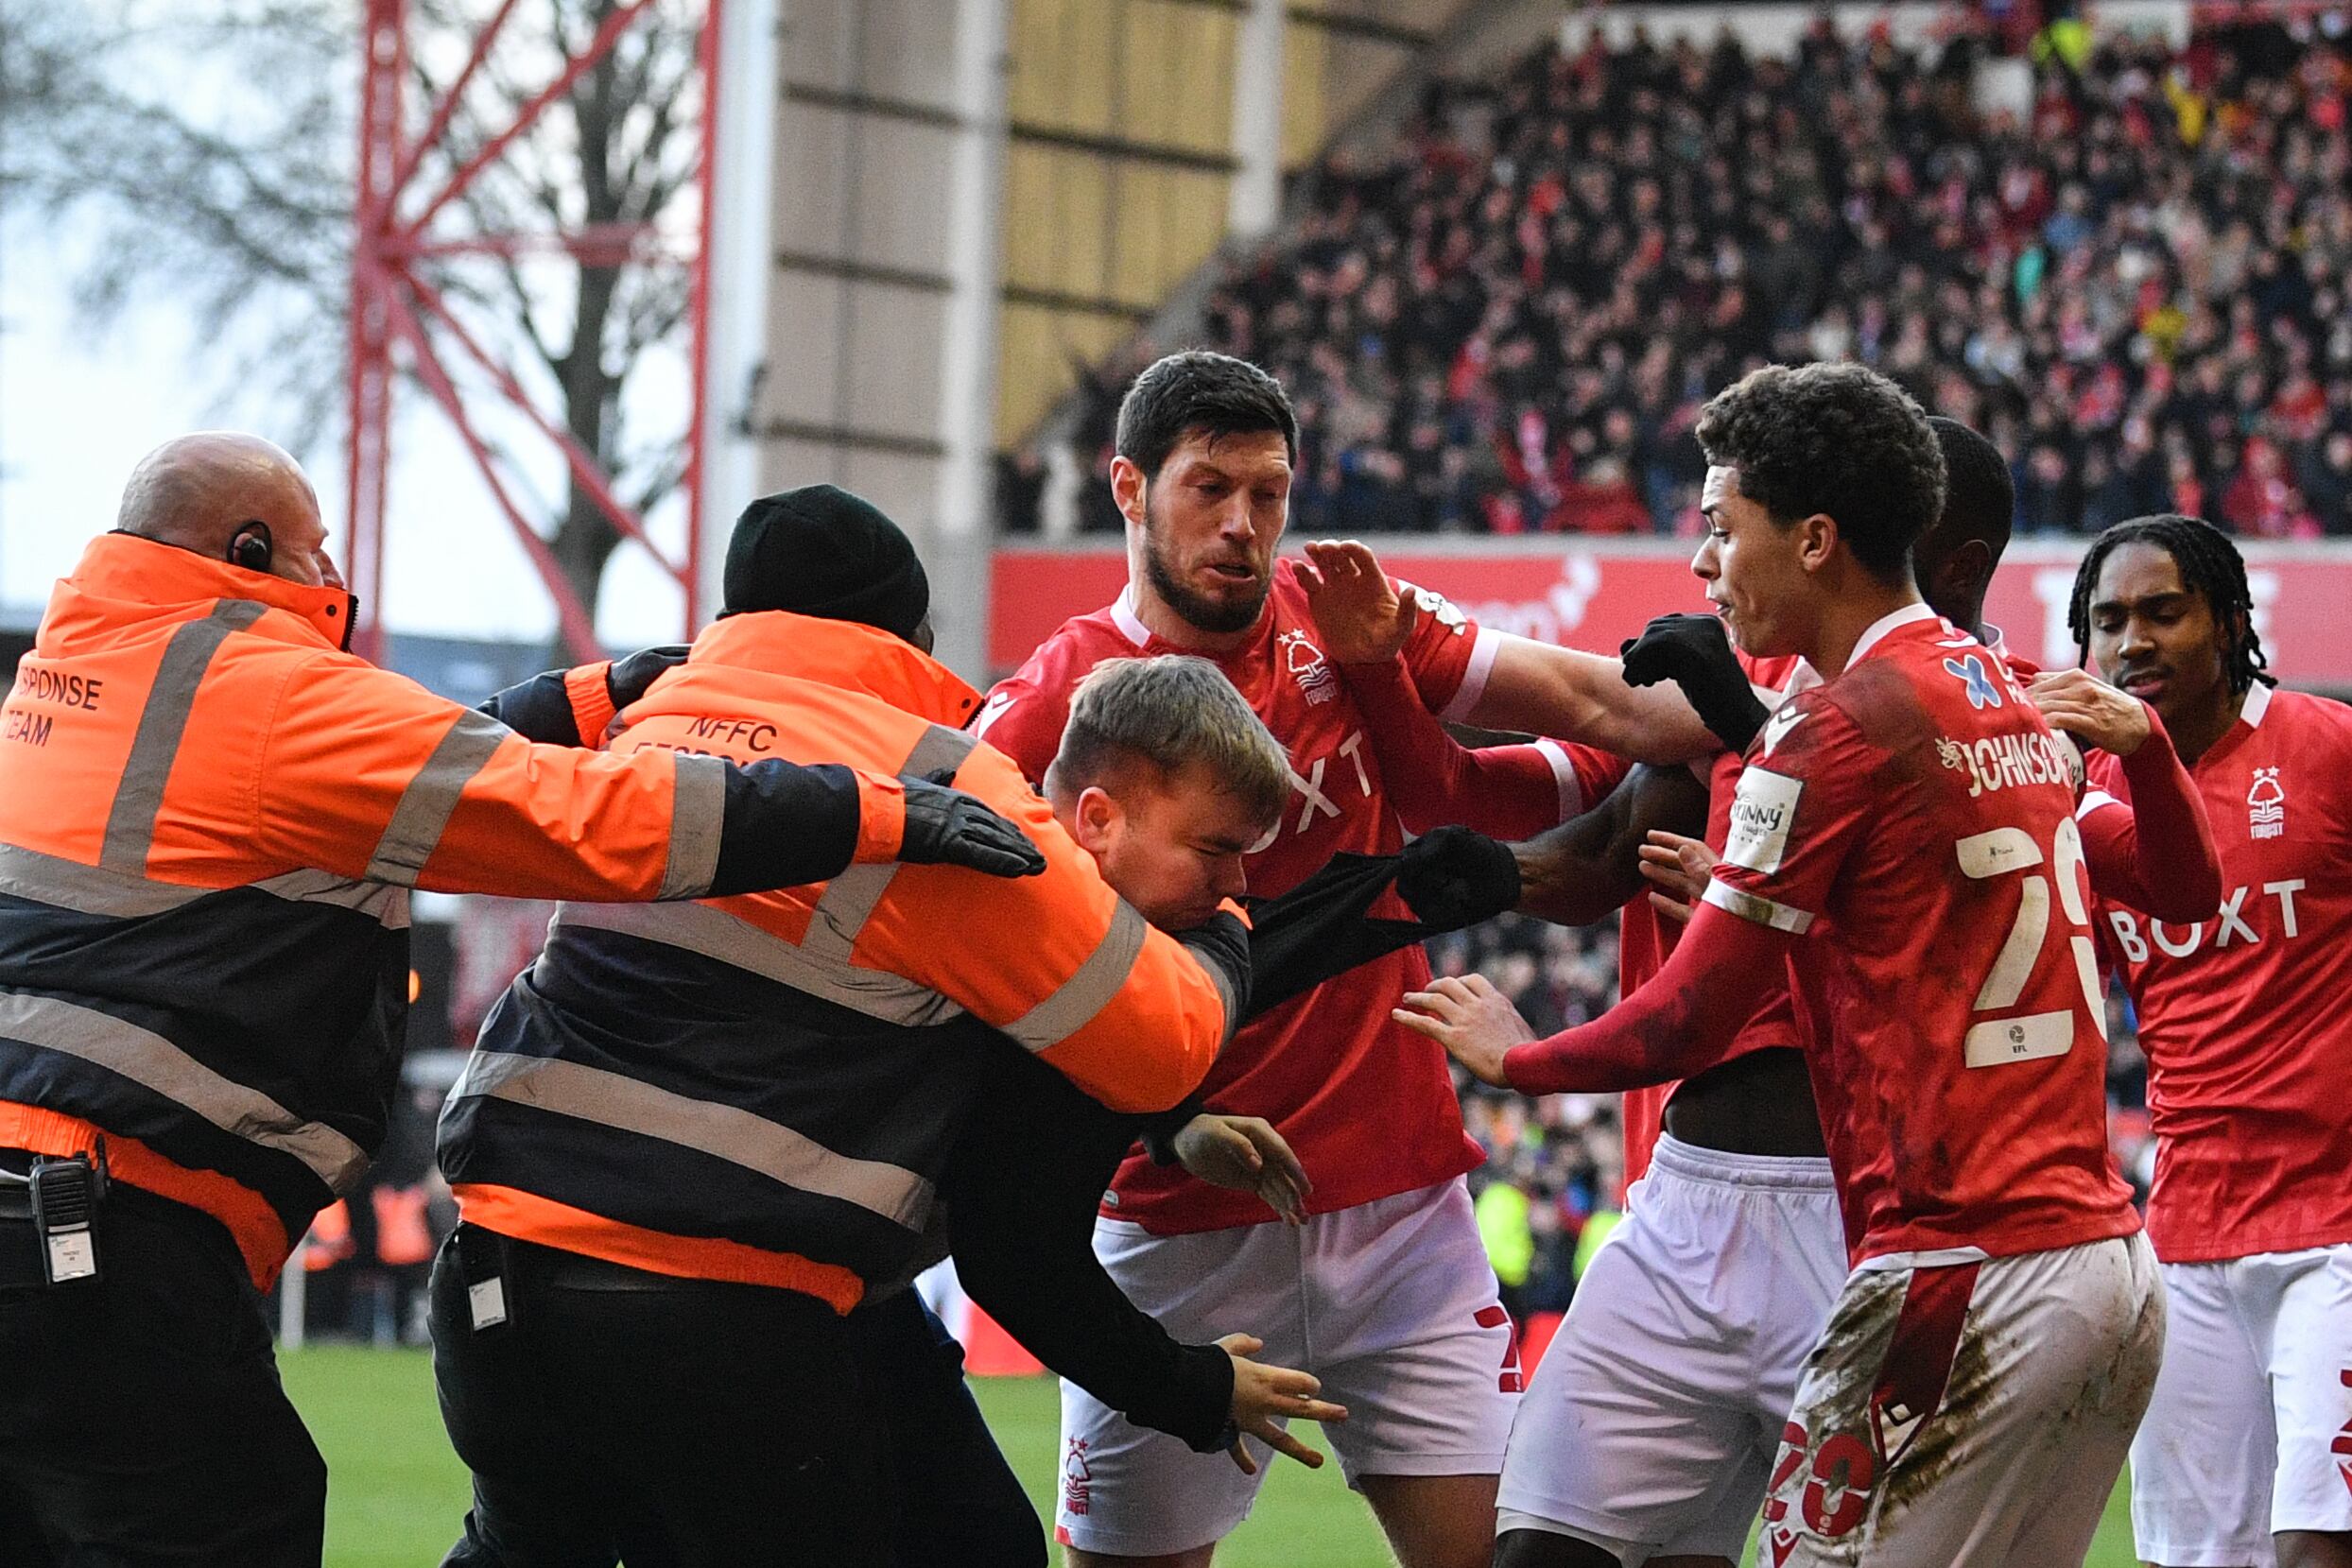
[(2247, 1017), (1914, 819), (1648, 937), (1368, 1105)]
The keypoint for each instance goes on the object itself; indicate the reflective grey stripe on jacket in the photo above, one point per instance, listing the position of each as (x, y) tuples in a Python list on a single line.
[(726, 1131), (425, 807), (155, 745), (715, 933), (126, 895), (698, 809), (698, 816), (150, 1061), (850, 899)]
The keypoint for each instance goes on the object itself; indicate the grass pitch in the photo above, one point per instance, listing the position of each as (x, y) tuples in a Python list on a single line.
[(397, 1494)]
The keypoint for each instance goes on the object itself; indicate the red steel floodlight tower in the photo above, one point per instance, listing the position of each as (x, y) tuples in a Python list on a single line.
[(393, 304)]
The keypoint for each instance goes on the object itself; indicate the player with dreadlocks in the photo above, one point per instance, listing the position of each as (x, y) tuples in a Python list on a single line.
[(2245, 1455)]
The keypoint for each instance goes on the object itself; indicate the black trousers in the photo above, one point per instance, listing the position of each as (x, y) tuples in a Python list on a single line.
[(958, 1501), (142, 1422), (626, 1417)]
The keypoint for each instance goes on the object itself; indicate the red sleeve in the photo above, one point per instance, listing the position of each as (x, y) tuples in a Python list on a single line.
[(2161, 830), (1432, 780), (1023, 720), (1448, 654), (1684, 1022), (1809, 789)]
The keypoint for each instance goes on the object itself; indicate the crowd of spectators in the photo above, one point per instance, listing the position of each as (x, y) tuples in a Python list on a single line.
[(1508, 321)]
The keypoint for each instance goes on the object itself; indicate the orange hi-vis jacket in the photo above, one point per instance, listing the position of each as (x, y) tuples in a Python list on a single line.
[(765, 1089), (210, 816)]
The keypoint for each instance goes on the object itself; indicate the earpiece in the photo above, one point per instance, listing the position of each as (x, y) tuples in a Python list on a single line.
[(251, 547)]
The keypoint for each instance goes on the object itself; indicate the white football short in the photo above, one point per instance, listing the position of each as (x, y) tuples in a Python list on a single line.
[(1964, 1414), (1649, 1426), (1390, 1303), (2251, 1429)]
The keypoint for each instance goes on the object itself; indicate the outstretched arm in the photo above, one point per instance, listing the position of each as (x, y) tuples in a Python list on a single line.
[(573, 707), (1021, 1189), (1676, 1026), (1580, 870), (1433, 780), (1532, 687)]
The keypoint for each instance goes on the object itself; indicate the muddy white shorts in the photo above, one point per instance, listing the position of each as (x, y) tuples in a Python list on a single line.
[(2251, 1429), (1650, 1426), (1968, 1414), (1390, 1303)]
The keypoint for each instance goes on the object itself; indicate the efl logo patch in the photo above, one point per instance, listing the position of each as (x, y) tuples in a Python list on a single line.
[(2266, 805), (1760, 814), (1971, 672)]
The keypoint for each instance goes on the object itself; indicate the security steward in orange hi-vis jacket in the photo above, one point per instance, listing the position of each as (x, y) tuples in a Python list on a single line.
[(210, 816), (690, 1138)]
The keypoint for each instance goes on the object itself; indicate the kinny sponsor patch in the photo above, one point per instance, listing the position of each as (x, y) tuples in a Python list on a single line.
[(1760, 814)]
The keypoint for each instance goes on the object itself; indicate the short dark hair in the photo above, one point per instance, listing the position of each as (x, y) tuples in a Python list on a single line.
[(2209, 564), (1979, 498), (1200, 392), (1839, 439)]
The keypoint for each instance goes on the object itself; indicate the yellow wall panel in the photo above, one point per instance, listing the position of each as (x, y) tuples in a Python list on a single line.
[(1065, 64), (1176, 75), (1037, 355), (1305, 59), (1056, 220), (1169, 219)]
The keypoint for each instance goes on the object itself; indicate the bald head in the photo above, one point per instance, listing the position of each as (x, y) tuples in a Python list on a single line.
[(199, 492)]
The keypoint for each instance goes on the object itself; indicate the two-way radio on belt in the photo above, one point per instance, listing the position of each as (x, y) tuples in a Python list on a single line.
[(62, 1198)]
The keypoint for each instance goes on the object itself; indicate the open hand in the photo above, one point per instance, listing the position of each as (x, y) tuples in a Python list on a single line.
[(1246, 1155), (1261, 1394), (1475, 1023), (1362, 618), (2079, 703), (1680, 867)]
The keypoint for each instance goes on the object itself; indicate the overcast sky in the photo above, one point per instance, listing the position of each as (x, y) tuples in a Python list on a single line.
[(76, 413)]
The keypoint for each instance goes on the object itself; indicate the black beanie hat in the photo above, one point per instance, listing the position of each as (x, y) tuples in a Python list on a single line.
[(821, 551)]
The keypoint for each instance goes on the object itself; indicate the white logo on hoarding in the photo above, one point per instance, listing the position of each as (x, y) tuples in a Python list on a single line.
[(1561, 609), (2054, 587)]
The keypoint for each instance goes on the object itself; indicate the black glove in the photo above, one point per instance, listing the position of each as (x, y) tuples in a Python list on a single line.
[(1452, 877), (947, 827), (628, 679), (1694, 652)]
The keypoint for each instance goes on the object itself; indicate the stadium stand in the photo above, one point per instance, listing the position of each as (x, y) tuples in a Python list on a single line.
[(1507, 323)]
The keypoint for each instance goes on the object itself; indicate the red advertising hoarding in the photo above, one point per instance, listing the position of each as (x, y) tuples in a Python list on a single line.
[(1595, 593)]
